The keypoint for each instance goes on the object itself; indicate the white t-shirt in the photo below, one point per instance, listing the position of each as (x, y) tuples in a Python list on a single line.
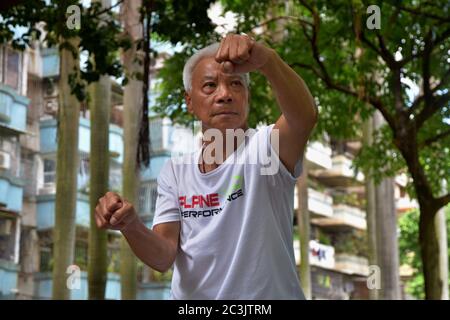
[(236, 237)]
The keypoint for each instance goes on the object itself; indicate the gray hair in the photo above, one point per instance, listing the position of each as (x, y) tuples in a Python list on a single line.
[(206, 52)]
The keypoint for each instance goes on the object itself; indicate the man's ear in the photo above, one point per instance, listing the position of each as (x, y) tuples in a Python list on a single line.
[(187, 99)]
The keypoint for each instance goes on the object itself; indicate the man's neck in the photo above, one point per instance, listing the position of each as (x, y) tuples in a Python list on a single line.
[(220, 146)]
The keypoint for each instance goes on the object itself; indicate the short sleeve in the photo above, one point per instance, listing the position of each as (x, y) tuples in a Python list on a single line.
[(272, 165), (167, 208)]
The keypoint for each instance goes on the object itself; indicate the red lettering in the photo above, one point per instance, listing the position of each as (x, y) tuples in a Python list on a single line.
[(204, 201), (210, 200), (214, 199), (195, 201), (182, 201)]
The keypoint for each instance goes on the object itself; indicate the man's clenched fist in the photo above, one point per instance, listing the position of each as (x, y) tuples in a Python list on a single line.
[(113, 212)]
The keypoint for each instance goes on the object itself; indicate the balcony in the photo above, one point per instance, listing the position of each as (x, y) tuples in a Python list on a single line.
[(167, 138), (146, 291), (13, 111), (341, 173), (319, 254), (153, 291), (406, 204), (8, 279), (11, 191), (344, 216), (318, 156), (48, 138), (50, 62), (319, 203), (46, 211), (43, 286), (351, 264)]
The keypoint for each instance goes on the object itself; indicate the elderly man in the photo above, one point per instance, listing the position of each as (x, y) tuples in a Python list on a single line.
[(226, 226)]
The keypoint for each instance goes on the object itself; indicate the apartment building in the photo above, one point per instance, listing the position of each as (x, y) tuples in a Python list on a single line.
[(336, 202), (13, 126)]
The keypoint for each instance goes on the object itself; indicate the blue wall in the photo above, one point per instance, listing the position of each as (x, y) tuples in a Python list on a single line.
[(13, 109), (50, 62), (46, 211), (43, 286), (8, 279), (11, 191), (48, 142)]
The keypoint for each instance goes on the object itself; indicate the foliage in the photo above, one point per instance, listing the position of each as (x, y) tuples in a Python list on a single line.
[(352, 242), (347, 68), (351, 199), (100, 34), (410, 251)]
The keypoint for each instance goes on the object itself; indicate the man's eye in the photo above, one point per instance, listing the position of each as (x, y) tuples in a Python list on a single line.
[(237, 82), (210, 84)]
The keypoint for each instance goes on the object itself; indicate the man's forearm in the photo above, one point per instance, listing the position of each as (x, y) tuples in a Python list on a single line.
[(150, 247), (293, 96)]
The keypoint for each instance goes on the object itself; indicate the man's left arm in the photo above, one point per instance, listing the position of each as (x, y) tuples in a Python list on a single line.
[(299, 113)]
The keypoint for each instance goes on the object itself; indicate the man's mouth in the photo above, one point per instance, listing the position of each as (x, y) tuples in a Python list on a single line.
[(225, 113)]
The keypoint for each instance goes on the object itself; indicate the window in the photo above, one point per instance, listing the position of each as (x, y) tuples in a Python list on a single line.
[(153, 196), (7, 238), (83, 173), (46, 260), (12, 69), (49, 171), (147, 198), (156, 135), (10, 66), (81, 255)]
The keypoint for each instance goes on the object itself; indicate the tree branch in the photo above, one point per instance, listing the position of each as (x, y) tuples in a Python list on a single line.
[(434, 139), (302, 21), (370, 44), (431, 108), (425, 14), (107, 9), (419, 99), (386, 54), (442, 201), (324, 75)]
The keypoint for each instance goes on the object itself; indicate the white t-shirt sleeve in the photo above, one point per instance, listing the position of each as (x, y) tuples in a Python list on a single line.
[(167, 208), (271, 158)]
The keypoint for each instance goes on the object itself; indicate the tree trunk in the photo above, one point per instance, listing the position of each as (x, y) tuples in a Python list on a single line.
[(387, 244), (132, 108), (441, 225), (371, 210), (66, 174), (100, 93), (386, 232), (99, 175), (304, 231), (428, 230), (429, 247)]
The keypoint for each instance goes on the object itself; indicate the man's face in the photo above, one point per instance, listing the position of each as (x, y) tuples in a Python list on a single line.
[(218, 99)]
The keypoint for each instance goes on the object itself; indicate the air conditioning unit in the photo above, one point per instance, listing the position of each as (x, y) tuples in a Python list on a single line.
[(51, 106), (5, 160), (49, 188)]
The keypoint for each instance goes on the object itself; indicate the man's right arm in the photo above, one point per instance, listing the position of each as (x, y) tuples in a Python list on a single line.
[(157, 248)]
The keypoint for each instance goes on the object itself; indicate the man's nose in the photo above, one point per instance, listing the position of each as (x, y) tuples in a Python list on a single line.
[(224, 95)]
